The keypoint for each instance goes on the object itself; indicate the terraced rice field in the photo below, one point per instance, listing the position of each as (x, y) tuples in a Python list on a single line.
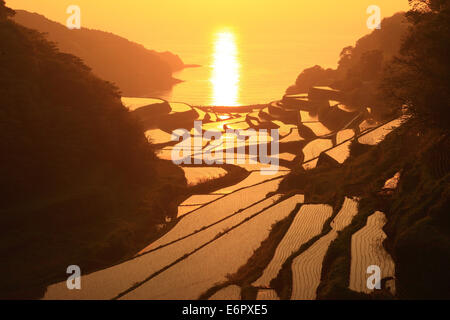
[(286, 156), (157, 136), (238, 126), (182, 210), (307, 223), (215, 212), (180, 107), (311, 164), (267, 294), (192, 276), (136, 103), (346, 214), (215, 234), (341, 152), (108, 283), (195, 175), (367, 250), (318, 128), (200, 199), (315, 148), (164, 154), (344, 135), (307, 267), (228, 293), (202, 115), (294, 136), (253, 178), (220, 125), (377, 135), (366, 125), (265, 169), (346, 108), (308, 117), (284, 129), (212, 117)]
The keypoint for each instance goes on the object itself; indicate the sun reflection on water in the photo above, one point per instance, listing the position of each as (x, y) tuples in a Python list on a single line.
[(225, 70)]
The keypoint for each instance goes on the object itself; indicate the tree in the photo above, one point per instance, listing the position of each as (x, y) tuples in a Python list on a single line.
[(314, 76), (5, 11), (419, 76), (345, 57)]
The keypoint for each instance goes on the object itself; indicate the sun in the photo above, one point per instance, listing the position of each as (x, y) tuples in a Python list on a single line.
[(225, 70)]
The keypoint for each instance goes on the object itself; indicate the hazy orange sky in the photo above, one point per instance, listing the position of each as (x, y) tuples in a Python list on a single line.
[(157, 23), (250, 50)]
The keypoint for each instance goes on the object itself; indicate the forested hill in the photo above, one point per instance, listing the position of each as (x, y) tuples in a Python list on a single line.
[(360, 67), (77, 171), (136, 70)]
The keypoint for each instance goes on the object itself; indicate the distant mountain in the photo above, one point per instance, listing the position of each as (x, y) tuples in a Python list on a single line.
[(136, 70)]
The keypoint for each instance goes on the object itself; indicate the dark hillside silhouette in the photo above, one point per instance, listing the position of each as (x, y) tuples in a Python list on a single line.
[(136, 70), (419, 77), (80, 182), (411, 75), (360, 67)]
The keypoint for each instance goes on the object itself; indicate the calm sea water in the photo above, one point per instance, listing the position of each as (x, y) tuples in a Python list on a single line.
[(238, 71)]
